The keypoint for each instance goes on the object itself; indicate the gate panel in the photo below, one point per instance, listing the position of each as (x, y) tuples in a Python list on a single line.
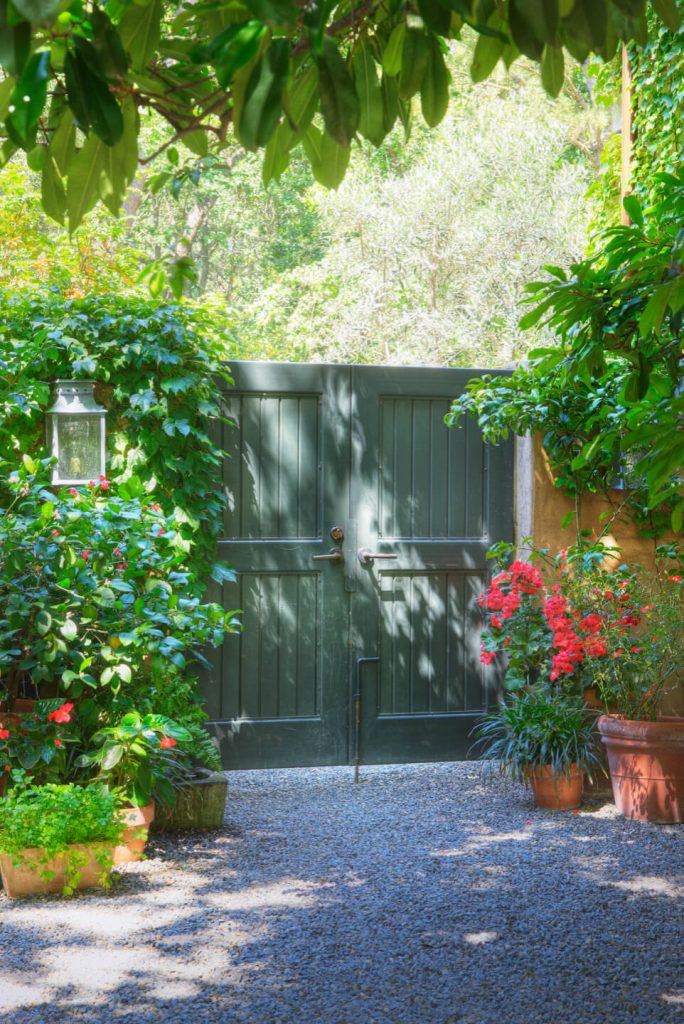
[(429, 503), (282, 682)]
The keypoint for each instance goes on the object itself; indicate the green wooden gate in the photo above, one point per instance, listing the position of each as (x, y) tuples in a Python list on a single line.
[(359, 527)]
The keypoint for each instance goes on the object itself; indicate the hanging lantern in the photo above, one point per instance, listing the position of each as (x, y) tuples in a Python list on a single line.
[(76, 433)]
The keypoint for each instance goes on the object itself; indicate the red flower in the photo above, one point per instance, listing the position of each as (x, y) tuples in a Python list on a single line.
[(61, 715), (636, 650), (104, 483), (91, 483), (117, 552), (55, 533), (8, 767), (160, 531), (155, 507), (73, 492), (166, 742), (122, 565), (58, 743), (85, 554), (4, 734), (675, 579)]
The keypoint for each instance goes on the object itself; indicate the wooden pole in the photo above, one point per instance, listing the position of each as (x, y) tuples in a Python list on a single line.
[(627, 132)]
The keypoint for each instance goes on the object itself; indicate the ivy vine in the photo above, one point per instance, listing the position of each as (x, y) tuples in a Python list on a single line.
[(158, 368)]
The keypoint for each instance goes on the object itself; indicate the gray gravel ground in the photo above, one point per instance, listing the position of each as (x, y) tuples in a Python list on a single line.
[(425, 895)]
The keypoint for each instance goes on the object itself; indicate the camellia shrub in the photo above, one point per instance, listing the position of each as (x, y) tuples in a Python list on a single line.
[(94, 596)]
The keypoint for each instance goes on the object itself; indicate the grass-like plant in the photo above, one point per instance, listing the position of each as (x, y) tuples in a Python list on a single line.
[(539, 726)]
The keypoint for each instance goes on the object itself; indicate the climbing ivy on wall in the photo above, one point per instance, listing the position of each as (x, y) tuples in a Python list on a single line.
[(157, 368), (658, 104)]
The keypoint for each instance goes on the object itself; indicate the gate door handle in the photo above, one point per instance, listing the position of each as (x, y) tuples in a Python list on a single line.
[(366, 556), (334, 555)]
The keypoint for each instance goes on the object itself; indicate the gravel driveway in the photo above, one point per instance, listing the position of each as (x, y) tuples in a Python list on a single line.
[(428, 894)]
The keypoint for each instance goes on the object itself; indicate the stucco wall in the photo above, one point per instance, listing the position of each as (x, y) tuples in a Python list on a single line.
[(540, 511)]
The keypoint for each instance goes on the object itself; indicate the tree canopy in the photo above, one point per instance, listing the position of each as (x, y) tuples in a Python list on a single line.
[(78, 74)]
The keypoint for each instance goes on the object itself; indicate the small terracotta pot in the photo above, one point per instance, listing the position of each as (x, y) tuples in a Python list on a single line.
[(556, 792), (25, 880), (134, 839), (646, 762)]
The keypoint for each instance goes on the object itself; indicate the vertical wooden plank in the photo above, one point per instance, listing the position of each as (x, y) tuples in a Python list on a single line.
[(269, 646), (474, 670), (423, 468), (310, 456), (476, 484), (439, 511), (402, 481), (439, 640), (456, 483), (307, 638), (289, 625)]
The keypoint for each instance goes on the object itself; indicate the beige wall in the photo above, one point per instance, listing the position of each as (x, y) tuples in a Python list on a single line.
[(546, 506)]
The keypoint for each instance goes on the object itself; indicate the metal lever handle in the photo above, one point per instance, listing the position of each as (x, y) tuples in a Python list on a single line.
[(334, 556), (366, 556)]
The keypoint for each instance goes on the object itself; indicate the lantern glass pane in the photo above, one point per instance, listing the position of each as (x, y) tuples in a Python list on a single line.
[(78, 447)]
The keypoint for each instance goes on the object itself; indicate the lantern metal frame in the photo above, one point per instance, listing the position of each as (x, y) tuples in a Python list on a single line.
[(74, 398)]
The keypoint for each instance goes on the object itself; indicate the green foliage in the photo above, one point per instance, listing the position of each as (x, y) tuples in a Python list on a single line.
[(536, 727), (178, 699), (657, 72), (613, 384), (52, 818), (205, 68), (135, 758), (40, 744), (158, 367), (94, 596)]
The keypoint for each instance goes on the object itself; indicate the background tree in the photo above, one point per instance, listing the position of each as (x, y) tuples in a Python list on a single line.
[(78, 78)]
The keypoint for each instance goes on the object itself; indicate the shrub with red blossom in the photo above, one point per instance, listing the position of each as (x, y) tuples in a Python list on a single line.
[(583, 624)]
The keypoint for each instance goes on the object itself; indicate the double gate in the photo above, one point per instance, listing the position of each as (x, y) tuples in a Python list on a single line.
[(358, 525)]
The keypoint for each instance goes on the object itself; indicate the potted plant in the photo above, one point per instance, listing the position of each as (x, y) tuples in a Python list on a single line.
[(643, 658), (57, 838), (136, 758), (542, 736)]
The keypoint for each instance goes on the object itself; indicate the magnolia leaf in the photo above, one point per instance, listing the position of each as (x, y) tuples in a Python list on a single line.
[(415, 56), (263, 103), (83, 179), (369, 92), (52, 191), (28, 99), (553, 69), (434, 89), (339, 102), (392, 54), (139, 31)]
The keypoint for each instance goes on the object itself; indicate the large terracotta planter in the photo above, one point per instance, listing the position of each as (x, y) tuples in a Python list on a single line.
[(24, 879), (133, 841), (556, 792), (646, 762), (200, 805)]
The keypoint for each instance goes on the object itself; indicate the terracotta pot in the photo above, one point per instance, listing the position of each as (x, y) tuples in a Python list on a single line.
[(646, 762), (25, 879), (134, 839), (556, 792)]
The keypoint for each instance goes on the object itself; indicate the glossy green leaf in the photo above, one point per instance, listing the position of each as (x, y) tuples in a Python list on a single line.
[(38, 11), (83, 180), (415, 56), (434, 90), (63, 142), (28, 100), (488, 50), (263, 102), (328, 161), (139, 30), (393, 52), (52, 191), (339, 102), (553, 69), (369, 92)]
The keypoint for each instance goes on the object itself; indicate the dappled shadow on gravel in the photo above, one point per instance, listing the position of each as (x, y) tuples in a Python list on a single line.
[(425, 895)]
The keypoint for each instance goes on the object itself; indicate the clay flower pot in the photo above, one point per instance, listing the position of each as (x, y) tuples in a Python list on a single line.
[(134, 839), (25, 878), (646, 763), (554, 791)]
